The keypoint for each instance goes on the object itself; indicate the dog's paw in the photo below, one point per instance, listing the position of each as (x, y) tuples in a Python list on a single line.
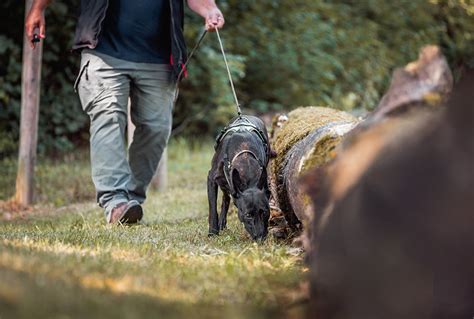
[(213, 233), (222, 226)]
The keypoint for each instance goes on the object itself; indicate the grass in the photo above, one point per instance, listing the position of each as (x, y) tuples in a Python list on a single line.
[(62, 261), (58, 182)]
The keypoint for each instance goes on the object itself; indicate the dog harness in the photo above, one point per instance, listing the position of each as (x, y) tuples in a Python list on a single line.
[(241, 124)]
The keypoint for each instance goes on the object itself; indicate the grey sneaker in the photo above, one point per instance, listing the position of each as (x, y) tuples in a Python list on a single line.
[(126, 213)]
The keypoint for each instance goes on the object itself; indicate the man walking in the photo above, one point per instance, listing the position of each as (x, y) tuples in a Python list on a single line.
[(129, 49)]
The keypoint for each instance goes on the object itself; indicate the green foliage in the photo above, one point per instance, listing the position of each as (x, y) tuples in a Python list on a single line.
[(336, 53), (61, 120), (283, 54), (457, 38), (10, 92)]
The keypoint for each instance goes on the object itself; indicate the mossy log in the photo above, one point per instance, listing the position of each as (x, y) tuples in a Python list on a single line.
[(308, 136), (305, 140), (407, 108)]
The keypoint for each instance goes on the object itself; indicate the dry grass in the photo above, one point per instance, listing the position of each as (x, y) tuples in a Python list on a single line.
[(63, 261)]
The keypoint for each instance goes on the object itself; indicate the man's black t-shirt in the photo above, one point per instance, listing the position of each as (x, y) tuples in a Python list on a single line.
[(137, 31)]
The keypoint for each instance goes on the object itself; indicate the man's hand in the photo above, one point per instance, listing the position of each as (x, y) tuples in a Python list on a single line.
[(209, 11), (214, 20), (35, 20)]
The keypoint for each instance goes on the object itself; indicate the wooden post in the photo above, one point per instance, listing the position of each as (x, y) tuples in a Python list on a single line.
[(30, 98), (160, 179), (130, 126)]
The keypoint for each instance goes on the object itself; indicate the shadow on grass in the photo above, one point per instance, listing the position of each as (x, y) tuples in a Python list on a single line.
[(25, 296), (41, 287)]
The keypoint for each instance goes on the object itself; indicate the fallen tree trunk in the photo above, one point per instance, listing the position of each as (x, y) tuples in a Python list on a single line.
[(415, 93), (307, 138), (383, 203), (396, 238)]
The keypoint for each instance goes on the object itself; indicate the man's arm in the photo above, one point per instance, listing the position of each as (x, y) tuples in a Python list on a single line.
[(209, 11), (35, 19)]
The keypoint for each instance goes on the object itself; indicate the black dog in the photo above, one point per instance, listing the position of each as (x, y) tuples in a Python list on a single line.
[(239, 169)]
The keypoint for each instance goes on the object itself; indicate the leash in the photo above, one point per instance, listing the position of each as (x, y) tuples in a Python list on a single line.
[(239, 111), (201, 38), (203, 35)]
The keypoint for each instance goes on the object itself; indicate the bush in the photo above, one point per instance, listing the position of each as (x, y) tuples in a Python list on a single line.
[(61, 120), (283, 54)]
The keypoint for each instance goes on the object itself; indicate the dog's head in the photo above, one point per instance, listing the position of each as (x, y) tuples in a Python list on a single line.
[(252, 205)]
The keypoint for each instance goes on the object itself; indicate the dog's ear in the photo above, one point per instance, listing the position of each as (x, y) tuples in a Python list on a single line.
[(263, 179), (237, 182)]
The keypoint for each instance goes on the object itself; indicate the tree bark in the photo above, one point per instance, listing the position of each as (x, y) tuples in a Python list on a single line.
[(398, 225), (30, 99), (305, 139), (315, 150), (407, 109)]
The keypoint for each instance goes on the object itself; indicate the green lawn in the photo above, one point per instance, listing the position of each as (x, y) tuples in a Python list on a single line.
[(60, 260)]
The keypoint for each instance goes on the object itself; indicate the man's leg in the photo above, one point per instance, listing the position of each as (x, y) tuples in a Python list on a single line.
[(104, 91), (152, 95)]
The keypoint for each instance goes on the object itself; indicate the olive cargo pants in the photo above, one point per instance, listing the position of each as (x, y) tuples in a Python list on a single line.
[(104, 85)]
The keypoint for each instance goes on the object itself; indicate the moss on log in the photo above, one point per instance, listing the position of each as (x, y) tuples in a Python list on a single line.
[(315, 150), (301, 122), (306, 140)]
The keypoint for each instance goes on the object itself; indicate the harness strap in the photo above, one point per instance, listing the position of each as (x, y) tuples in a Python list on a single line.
[(228, 168), (242, 126), (249, 152)]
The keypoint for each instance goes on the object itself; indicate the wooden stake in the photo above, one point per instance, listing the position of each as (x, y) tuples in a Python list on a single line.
[(160, 180), (30, 98)]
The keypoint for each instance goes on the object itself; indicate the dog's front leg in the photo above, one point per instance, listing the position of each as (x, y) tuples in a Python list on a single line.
[(224, 210), (212, 198)]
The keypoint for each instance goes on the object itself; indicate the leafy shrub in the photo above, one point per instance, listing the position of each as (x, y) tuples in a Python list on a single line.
[(61, 120), (282, 53)]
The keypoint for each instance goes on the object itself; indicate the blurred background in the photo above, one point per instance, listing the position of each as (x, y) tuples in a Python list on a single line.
[(59, 260), (284, 54)]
